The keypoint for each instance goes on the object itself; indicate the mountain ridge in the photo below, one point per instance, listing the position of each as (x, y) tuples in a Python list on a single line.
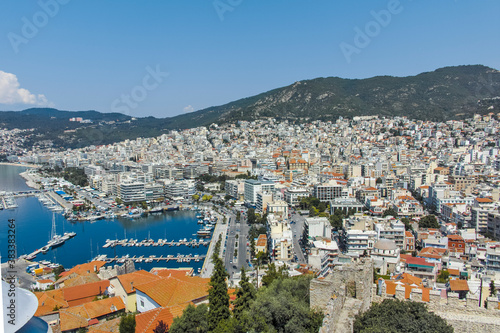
[(452, 92)]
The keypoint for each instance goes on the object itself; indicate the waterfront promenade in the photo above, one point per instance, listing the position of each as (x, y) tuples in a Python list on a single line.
[(220, 230)]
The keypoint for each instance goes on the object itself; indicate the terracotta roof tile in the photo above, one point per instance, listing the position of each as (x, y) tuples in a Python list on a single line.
[(459, 285), (131, 280)]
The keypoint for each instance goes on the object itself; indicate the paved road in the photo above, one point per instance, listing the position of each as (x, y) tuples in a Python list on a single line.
[(297, 230), (236, 228)]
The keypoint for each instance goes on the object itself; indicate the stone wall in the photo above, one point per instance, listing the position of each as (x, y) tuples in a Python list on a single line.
[(344, 293)]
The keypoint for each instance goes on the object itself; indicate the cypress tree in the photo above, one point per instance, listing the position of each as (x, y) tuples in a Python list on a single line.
[(218, 297), (244, 295)]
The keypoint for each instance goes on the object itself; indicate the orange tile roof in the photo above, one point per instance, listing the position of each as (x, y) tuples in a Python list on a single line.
[(79, 316), (454, 272), (108, 326), (48, 300), (484, 200), (147, 321), (78, 280), (131, 280), (77, 295), (459, 285), (175, 290), (175, 272)]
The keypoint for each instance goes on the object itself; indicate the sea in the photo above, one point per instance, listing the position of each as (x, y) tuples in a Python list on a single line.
[(33, 226)]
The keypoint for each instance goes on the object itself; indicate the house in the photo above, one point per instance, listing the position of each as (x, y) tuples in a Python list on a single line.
[(124, 286), (147, 321), (409, 242), (80, 274), (80, 316), (420, 268), (171, 291), (459, 286), (261, 244), (456, 244)]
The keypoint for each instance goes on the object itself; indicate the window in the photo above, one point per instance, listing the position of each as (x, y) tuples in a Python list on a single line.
[(142, 303)]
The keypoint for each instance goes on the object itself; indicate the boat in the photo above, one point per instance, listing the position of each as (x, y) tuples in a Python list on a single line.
[(45, 249), (56, 240)]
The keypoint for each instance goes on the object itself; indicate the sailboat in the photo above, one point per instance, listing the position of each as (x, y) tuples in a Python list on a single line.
[(56, 240)]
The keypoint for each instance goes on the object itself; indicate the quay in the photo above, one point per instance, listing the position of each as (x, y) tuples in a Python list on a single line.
[(151, 242), (178, 258)]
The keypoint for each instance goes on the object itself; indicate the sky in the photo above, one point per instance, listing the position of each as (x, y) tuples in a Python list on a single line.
[(167, 57)]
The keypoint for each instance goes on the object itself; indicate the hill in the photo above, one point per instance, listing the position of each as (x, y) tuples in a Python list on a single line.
[(446, 93)]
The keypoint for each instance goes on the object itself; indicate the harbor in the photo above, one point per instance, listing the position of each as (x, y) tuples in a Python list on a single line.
[(150, 242), (180, 258)]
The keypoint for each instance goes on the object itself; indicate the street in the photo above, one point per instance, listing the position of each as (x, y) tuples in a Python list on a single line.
[(297, 225)]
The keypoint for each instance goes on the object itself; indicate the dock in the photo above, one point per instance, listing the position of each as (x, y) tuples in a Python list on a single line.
[(151, 242), (180, 258)]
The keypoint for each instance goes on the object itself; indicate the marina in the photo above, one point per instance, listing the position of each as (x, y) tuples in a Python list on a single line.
[(151, 242), (180, 258)]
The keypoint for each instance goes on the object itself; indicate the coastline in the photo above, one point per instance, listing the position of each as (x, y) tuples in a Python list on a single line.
[(29, 180), (21, 165)]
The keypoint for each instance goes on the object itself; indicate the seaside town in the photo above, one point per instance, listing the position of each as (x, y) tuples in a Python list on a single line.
[(370, 208)]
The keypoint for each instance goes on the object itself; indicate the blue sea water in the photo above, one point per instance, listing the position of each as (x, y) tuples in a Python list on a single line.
[(34, 223)]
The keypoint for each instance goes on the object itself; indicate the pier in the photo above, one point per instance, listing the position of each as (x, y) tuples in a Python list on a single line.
[(151, 242), (178, 258)]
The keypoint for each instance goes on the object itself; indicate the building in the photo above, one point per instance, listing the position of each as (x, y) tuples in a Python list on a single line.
[(261, 244), (131, 191), (456, 244), (409, 242), (345, 205), (278, 207), (420, 268), (263, 199), (393, 230), (293, 196), (494, 224), (252, 187), (356, 242), (493, 259), (329, 191), (385, 255), (319, 227), (234, 188)]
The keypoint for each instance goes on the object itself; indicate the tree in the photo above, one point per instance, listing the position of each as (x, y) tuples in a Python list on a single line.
[(161, 327), (244, 296), (379, 181), (195, 197), (218, 298), (193, 320), (283, 306), (443, 276), (428, 221), (251, 216), (273, 274), (127, 324), (337, 219), (390, 212), (493, 291), (406, 221), (395, 316)]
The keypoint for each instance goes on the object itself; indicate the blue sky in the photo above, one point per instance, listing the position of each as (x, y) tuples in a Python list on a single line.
[(91, 55)]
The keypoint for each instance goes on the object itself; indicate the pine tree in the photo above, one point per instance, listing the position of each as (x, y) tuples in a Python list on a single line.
[(218, 297), (493, 290), (244, 295)]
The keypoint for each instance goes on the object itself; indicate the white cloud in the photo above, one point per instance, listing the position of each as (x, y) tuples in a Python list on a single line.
[(188, 108), (11, 93)]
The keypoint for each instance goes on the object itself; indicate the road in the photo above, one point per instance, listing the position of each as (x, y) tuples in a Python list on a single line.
[(237, 232), (297, 230)]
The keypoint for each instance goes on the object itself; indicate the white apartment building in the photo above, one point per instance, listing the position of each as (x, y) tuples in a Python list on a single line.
[(294, 195)]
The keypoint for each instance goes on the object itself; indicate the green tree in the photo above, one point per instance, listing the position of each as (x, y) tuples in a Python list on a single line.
[(443, 276), (493, 290), (161, 327), (273, 274), (195, 197), (251, 216), (406, 221), (127, 324), (193, 320), (217, 295), (395, 316), (390, 212), (428, 221), (244, 296), (283, 306)]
